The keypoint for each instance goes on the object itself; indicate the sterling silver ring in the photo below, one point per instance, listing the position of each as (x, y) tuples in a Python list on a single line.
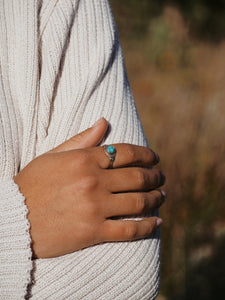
[(110, 151)]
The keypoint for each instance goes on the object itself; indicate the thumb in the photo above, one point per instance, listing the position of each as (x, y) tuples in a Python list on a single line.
[(91, 137)]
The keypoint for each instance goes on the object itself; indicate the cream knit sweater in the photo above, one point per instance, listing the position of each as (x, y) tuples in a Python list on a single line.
[(61, 69)]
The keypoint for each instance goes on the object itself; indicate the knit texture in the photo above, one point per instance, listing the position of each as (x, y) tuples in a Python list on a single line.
[(61, 69)]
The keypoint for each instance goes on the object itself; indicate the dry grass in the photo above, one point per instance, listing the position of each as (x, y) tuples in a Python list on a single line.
[(179, 87)]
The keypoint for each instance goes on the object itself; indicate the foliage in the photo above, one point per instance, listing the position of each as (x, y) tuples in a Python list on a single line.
[(178, 84), (205, 17)]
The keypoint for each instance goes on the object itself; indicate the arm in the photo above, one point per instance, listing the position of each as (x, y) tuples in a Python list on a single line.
[(92, 84), (81, 78)]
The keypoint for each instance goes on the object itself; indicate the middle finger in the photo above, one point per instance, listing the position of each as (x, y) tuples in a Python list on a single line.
[(132, 179)]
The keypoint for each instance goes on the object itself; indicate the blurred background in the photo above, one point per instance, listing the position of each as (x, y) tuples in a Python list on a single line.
[(175, 58)]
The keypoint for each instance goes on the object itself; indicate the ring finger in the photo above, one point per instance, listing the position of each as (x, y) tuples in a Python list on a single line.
[(129, 204), (125, 155)]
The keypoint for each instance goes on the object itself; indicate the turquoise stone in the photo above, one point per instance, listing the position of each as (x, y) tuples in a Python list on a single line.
[(111, 149)]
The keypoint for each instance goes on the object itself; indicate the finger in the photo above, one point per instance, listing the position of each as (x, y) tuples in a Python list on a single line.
[(128, 230), (130, 204), (91, 137), (132, 179), (127, 155)]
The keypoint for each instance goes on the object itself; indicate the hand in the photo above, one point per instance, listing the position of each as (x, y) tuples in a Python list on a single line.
[(72, 196)]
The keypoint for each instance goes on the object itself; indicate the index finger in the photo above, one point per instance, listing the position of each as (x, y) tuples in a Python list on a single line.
[(127, 155)]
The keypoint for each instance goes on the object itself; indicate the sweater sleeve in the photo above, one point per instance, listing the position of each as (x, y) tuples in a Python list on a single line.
[(61, 69), (82, 75), (15, 253), (82, 79)]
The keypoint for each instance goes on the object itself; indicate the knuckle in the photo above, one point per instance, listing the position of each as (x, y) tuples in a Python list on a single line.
[(141, 178), (131, 153), (87, 183), (148, 155), (131, 231), (142, 203), (76, 139)]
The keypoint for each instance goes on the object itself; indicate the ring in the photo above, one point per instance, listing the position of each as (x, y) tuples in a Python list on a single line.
[(110, 151)]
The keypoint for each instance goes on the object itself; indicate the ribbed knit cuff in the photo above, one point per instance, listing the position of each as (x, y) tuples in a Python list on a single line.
[(15, 250)]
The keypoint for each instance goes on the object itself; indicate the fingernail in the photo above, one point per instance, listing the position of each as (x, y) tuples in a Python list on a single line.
[(97, 122), (162, 179), (163, 194), (158, 222)]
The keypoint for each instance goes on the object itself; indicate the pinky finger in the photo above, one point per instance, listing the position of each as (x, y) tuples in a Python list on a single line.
[(129, 230)]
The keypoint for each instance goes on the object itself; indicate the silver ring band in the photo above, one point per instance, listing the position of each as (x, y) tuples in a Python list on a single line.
[(110, 151)]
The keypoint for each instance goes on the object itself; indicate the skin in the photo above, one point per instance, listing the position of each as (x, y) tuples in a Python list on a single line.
[(75, 199)]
